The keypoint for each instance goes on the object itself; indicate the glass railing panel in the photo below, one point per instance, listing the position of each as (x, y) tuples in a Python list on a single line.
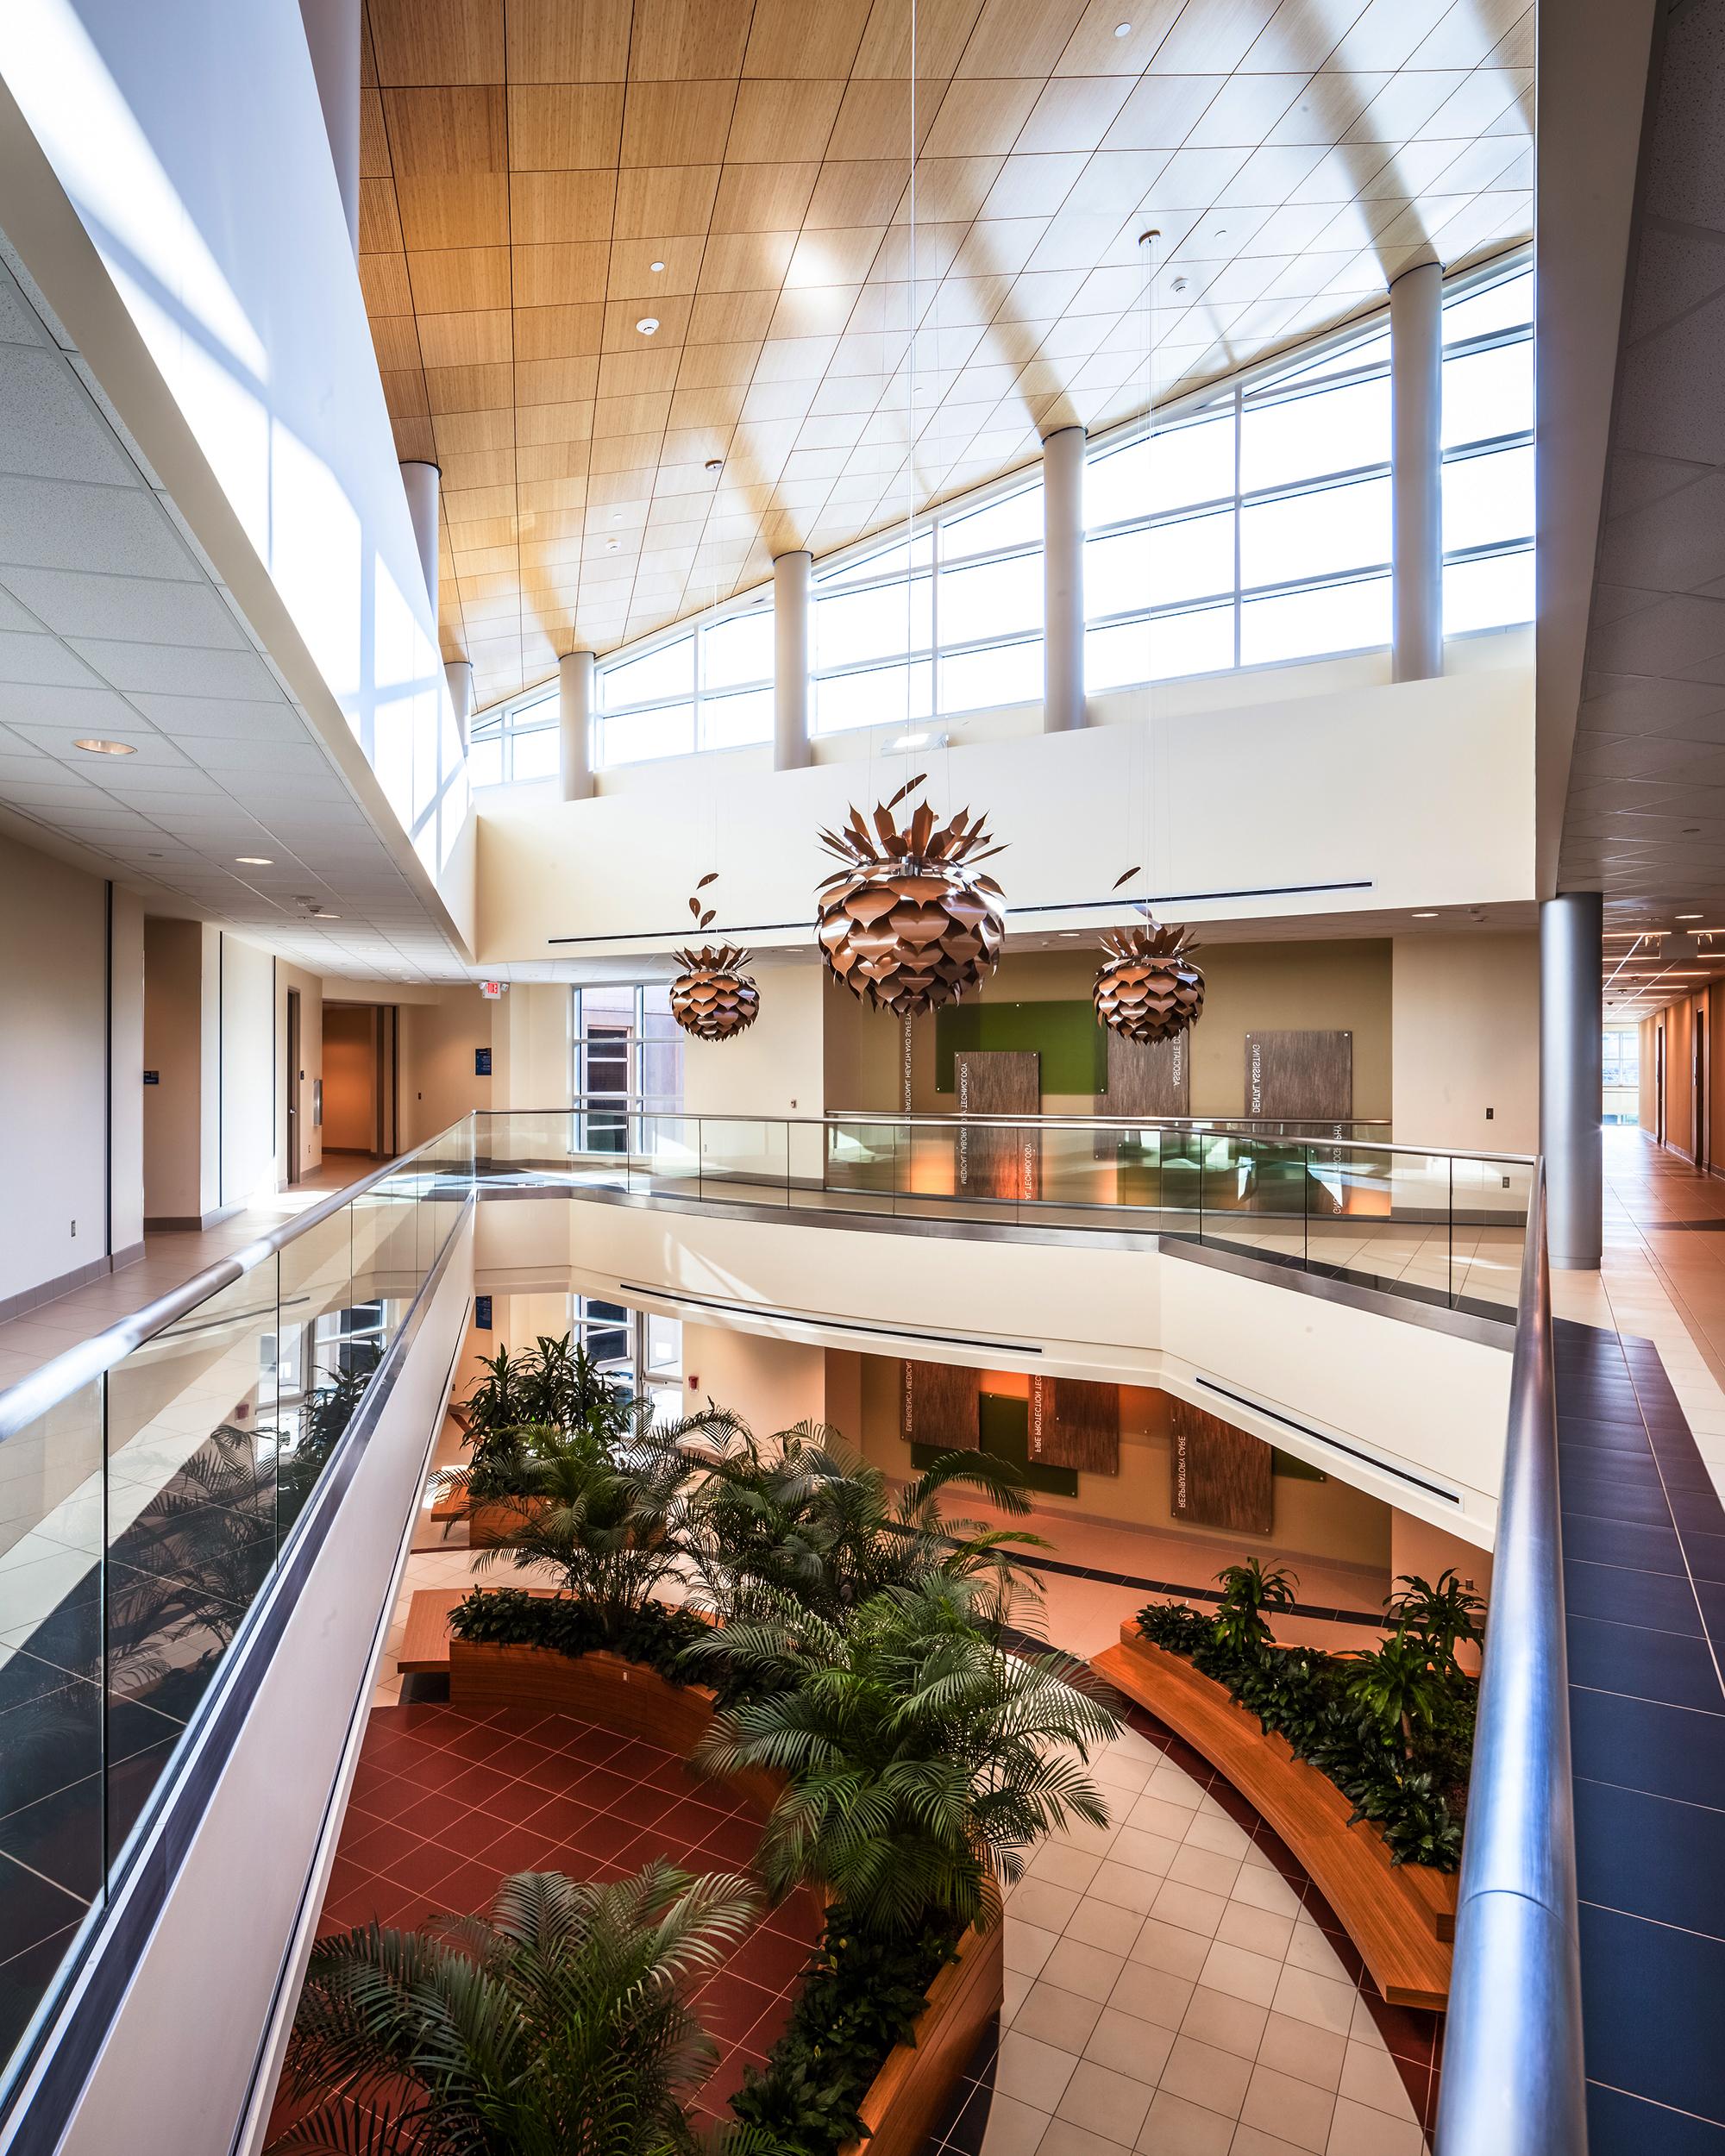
[(863, 1155), (327, 1342), (190, 1533), (1491, 1200), (668, 1156), (744, 1160), (386, 1252), (53, 1857), (1254, 1194), (1387, 1222), (804, 1160)]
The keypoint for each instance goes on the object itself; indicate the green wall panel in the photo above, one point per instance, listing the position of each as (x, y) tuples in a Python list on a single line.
[(1074, 1049)]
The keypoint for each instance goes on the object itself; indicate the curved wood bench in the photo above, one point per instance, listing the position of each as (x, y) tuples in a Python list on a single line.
[(1402, 1917), (915, 2079)]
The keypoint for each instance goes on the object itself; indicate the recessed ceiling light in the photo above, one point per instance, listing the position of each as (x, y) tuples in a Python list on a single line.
[(648, 324), (1689, 917), (95, 747), (255, 860), (612, 545), (909, 740), (715, 464), (1426, 917), (1123, 29)]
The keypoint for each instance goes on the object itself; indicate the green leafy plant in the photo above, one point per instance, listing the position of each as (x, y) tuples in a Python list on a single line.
[(656, 1634), (1173, 1626), (562, 2023), (922, 1761), (803, 1515), (1397, 1687), (1442, 1616), (1247, 1592), (555, 1384)]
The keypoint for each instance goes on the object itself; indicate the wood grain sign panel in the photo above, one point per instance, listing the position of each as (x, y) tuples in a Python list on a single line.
[(1150, 1079), (939, 1404), (999, 1162), (1218, 1476), (1074, 1423), (1300, 1077)]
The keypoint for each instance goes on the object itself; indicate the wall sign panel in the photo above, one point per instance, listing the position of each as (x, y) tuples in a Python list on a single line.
[(938, 1406), (1075, 1424), (1218, 1476), (996, 1162), (1300, 1077), (1151, 1079)]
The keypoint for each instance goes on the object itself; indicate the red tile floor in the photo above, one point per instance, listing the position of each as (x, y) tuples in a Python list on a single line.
[(446, 1802)]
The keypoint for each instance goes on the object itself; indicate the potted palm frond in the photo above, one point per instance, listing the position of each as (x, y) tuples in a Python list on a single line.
[(561, 2021)]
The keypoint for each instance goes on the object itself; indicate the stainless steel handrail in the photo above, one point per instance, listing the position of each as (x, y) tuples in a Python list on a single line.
[(1316, 1130), (43, 1390), (1513, 2076)]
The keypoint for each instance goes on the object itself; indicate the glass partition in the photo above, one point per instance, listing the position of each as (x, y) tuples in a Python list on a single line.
[(143, 1513)]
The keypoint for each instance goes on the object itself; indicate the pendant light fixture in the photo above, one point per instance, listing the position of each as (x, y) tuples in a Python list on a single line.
[(711, 997)]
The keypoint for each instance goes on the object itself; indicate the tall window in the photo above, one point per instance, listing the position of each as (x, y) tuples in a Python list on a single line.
[(639, 1349), (517, 741), (711, 687), (1488, 454), (953, 624), (627, 1063)]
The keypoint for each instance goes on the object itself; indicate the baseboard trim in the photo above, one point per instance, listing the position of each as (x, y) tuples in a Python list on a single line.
[(187, 1223), (131, 1255), (48, 1291)]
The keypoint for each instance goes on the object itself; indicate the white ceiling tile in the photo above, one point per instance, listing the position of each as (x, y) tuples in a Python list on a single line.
[(139, 609), (41, 660), (201, 717), (54, 524), (50, 428), (170, 668), (146, 747)]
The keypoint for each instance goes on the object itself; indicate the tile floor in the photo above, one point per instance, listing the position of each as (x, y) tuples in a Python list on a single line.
[(446, 1802)]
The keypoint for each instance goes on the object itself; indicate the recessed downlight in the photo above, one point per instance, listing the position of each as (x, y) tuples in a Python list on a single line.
[(254, 860), (648, 324), (1123, 29), (655, 267), (1425, 917), (1689, 917), (92, 747)]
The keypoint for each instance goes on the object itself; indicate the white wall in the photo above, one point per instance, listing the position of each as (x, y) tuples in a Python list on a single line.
[(1419, 794), (1464, 1037), (775, 1067), (54, 1077), (772, 1384), (310, 989), (249, 1167)]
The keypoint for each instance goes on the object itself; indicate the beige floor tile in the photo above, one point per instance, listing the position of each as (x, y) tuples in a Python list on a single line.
[(1056, 1865), (1064, 2019), (1151, 1995), (1204, 1868), (1357, 2130), (1125, 1887), (1034, 2073), (1015, 1989), (1261, 1887), (1252, 2141), (1036, 1900), (1102, 1924), (1154, 1814), (1191, 1908), (1260, 1931), (1372, 2077), (1144, 1851), (1221, 1836), (1308, 1949), (1204, 2074), (1177, 2127), (1129, 2046), (1309, 2054), (1014, 2128), (1363, 2030), (1279, 2104), (1065, 2137), (1027, 1947), (1166, 1946), (1111, 2104), (1305, 1998), (1234, 2025), (1089, 1971)]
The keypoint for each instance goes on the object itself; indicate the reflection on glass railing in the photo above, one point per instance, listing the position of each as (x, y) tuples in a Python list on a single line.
[(142, 1515), (1336, 1198)]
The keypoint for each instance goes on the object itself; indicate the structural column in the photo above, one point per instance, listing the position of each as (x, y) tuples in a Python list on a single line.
[(332, 35), (459, 673), (791, 660), (1063, 580), (1571, 1058), (1416, 402), (575, 719), (422, 483)]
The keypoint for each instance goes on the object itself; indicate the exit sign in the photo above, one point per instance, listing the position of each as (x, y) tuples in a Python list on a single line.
[(493, 991)]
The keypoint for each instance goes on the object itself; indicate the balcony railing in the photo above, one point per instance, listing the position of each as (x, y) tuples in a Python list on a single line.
[(1440, 1228), (157, 1483)]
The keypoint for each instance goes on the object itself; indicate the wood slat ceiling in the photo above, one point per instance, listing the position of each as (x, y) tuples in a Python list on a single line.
[(526, 162)]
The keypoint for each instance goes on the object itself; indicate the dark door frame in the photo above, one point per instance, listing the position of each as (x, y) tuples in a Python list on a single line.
[(294, 1076)]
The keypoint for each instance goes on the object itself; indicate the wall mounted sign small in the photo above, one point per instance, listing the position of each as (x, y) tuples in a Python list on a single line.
[(153, 1077), (482, 1062), (482, 1313)]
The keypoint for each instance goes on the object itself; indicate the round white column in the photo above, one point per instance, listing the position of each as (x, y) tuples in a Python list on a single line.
[(423, 483), (1572, 1057), (574, 720), (791, 574), (459, 673), (332, 37), (1416, 379), (1063, 580)]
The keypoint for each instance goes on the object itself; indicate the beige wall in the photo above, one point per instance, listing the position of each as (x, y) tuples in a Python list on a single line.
[(438, 1041), (775, 1067), (127, 1052), (772, 1384), (250, 1057), (311, 988), (1678, 1021), (1328, 1520), (1466, 1038), (531, 1062), (54, 1079), (178, 1181), (350, 1077)]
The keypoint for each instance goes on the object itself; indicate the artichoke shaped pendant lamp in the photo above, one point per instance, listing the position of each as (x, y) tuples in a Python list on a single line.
[(711, 997), (907, 924), (1148, 989)]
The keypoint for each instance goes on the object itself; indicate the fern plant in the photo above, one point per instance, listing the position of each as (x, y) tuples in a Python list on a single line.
[(922, 1761), (562, 2023)]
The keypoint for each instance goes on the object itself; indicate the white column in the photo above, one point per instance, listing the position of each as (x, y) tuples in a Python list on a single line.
[(791, 660), (1417, 374), (1063, 580), (1572, 1055), (459, 673), (423, 483), (574, 718), (332, 35)]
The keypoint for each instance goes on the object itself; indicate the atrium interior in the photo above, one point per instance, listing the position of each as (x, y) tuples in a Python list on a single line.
[(864, 1266)]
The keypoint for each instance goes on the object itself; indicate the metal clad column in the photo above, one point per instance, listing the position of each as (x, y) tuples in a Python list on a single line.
[(1417, 375), (574, 718), (1571, 1074), (422, 483), (1063, 580), (332, 36), (791, 660), (459, 673)]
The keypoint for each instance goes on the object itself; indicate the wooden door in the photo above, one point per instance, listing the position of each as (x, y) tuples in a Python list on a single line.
[(1701, 1119), (1660, 1083), (1001, 1161)]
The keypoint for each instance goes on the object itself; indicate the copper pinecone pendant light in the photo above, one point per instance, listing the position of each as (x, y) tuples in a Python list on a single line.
[(1149, 990), (710, 998), (906, 924)]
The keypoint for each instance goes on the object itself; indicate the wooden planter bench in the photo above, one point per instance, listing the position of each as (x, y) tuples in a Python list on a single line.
[(916, 2078), (1402, 1917)]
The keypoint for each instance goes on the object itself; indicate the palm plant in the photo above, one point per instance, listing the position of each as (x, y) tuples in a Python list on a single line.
[(1247, 1591), (803, 1515), (559, 2023), (922, 1761), (555, 1383), (1442, 1617), (1397, 1687)]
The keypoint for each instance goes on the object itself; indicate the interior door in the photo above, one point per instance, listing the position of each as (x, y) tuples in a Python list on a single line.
[(293, 1078), (1699, 1090), (1660, 1084)]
